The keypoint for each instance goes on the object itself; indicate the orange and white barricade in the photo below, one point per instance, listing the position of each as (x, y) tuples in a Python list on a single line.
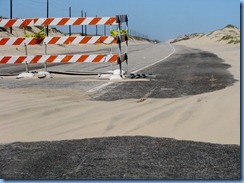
[(76, 58)]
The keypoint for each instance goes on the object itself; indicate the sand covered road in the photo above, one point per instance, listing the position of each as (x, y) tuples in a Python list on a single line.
[(60, 108), (187, 72), (61, 111)]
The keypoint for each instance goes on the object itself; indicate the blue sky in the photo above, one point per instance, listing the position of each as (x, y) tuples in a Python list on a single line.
[(159, 19)]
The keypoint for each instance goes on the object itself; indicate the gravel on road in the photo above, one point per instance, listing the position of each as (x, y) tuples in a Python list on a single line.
[(128, 157)]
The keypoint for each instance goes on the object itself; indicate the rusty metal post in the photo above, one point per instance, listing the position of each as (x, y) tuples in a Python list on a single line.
[(82, 27), (85, 27), (47, 16), (96, 28), (11, 14), (70, 17)]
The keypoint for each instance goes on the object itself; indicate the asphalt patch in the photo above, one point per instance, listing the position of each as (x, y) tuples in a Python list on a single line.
[(189, 73), (127, 157)]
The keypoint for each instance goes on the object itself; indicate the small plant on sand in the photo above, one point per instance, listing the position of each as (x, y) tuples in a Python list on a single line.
[(230, 26), (230, 39)]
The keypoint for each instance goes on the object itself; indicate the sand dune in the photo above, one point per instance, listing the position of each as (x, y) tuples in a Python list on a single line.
[(229, 34)]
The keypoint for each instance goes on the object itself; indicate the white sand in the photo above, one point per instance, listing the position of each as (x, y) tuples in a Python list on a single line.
[(34, 115)]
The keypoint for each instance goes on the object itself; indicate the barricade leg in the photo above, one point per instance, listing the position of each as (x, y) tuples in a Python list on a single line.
[(120, 69), (45, 67), (26, 64), (26, 67), (45, 50)]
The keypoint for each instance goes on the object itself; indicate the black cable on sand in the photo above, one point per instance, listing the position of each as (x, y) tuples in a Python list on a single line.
[(74, 73), (125, 157), (56, 72)]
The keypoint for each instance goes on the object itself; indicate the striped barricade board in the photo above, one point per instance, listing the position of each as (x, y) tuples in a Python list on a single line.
[(58, 40), (58, 21), (58, 58), (68, 58)]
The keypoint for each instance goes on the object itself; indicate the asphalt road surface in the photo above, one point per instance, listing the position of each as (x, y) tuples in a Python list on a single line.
[(186, 72), (178, 71), (119, 158), (139, 55)]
